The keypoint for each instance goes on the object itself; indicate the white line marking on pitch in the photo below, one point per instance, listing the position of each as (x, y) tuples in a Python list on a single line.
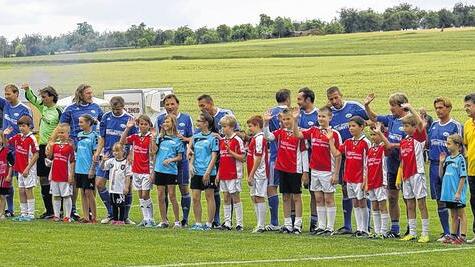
[(342, 257)]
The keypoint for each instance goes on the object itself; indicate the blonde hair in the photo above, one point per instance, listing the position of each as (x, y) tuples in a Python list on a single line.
[(444, 100), (456, 138), (228, 120), (61, 126), (410, 119), (173, 127)]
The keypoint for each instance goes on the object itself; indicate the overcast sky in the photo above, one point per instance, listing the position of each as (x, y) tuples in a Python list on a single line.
[(18, 17)]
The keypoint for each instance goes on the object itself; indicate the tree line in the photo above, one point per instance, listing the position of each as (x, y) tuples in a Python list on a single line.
[(85, 39)]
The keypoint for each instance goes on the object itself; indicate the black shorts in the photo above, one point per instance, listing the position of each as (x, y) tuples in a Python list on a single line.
[(41, 169), (290, 183), (454, 205), (83, 181), (392, 162), (165, 179), (4, 191), (197, 183)]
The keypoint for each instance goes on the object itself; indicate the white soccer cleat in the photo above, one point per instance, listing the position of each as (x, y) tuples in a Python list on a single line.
[(129, 221), (106, 220)]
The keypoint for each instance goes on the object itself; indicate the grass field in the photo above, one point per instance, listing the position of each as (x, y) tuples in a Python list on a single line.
[(244, 77)]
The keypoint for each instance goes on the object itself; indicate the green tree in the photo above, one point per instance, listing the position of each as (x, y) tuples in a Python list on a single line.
[(430, 20), (182, 33), (334, 27), (265, 21), (349, 18), (224, 32), (446, 18), (283, 27)]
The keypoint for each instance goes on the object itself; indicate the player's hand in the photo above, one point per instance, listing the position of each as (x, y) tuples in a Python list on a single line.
[(267, 116), (8, 131), (25, 86), (329, 135), (217, 181), (369, 99), (91, 174), (130, 123), (190, 154), (25, 173), (206, 179), (377, 128), (296, 113), (192, 170), (457, 197), (71, 179), (305, 178), (398, 186), (365, 187), (334, 179), (8, 178), (167, 162), (442, 157), (126, 190), (407, 107), (151, 177)]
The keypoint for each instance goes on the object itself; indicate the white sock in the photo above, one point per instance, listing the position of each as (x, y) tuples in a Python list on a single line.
[(298, 222), (331, 215), (288, 222), (322, 217), (149, 208), (57, 208), (358, 218), (24, 208), (425, 227), (68, 205), (238, 209), (31, 206), (142, 208), (377, 221), (384, 222), (412, 226), (227, 215), (364, 219), (262, 214), (256, 212)]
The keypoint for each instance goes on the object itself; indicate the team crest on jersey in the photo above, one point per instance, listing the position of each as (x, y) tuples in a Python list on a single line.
[(401, 128), (310, 123), (348, 115), (16, 114), (181, 124), (122, 126), (446, 134), (108, 119), (93, 111)]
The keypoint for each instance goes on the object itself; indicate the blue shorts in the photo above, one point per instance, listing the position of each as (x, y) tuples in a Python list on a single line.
[(101, 173), (392, 163), (183, 172), (435, 181), (342, 171), (274, 176)]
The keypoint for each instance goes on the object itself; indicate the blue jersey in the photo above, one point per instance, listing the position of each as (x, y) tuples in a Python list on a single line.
[(112, 127), (85, 147), (395, 129), (11, 114), (454, 169), (203, 147), (274, 124), (308, 120), (342, 116), (184, 123), (437, 136), (72, 113), (218, 116), (168, 147)]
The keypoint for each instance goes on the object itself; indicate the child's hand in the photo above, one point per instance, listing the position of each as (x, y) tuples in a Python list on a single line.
[(406, 106), (71, 179), (192, 170), (26, 172), (228, 149), (167, 162), (369, 99), (334, 179), (267, 116), (8, 131), (130, 123), (126, 190), (296, 113), (91, 174), (377, 128), (8, 178), (442, 157), (457, 197), (151, 178), (305, 178), (206, 179), (398, 186), (329, 135), (365, 187)]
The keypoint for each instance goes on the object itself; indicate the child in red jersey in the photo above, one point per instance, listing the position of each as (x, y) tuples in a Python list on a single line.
[(356, 171), (6, 163), (61, 151), (231, 151), (292, 160)]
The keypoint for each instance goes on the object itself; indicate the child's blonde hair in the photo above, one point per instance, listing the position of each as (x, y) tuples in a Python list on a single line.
[(228, 120), (174, 124), (456, 138), (60, 126), (410, 120), (118, 146)]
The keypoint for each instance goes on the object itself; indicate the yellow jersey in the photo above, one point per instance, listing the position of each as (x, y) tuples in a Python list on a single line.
[(469, 140)]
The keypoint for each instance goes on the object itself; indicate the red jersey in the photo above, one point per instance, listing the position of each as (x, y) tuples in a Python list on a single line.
[(321, 158), (355, 151), (25, 147), (377, 174), (141, 155), (412, 154), (292, 154), (258, 148), (63, 156), (6, 161), (229, 167)]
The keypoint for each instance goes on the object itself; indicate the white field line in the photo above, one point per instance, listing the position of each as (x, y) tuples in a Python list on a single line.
[(342, 257)]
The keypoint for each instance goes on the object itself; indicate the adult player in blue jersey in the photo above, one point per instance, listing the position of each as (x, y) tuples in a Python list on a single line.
[(112, 126), (437, 135), (206, 103), (393, 123), (343, 111), (308, 118), (185, 132), (13, 110), (282, 97), (82, 104)]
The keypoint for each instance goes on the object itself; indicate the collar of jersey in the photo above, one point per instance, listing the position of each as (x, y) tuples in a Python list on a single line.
[(307, 113), (232, 136), (123, 113), (144, 135), (26, 135), (361, 138), (443, 124)]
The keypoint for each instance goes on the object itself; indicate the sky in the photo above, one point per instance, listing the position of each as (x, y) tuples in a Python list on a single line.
[(53, 17)]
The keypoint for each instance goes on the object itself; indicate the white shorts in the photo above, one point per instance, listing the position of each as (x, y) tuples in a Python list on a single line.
[(378, 194), (230, 186), (61, 189), (27, 182), (321, 181), (355, 191), (259, 189), (141, 181), (415, 187)]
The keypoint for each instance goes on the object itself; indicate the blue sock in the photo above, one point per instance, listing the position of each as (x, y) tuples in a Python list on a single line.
[(217, 200), (104, 194), (274, 210), (444, 219), (347, 209), (395, 226), (313, 219), (292, 216), (128, 204), (368, 203), (10, 197), (185, 206)]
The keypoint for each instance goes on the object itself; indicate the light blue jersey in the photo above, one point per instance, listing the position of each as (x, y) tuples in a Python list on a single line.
[(168, 147), (203, 147), (11, 114), (72, 113), (112, 127), (342, 116), (85, 147), (307, 120), (455, 168), (437, 136)]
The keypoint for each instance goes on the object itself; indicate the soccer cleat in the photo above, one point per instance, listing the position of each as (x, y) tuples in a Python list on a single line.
[(443, 238), (355, 234), (361, 234), (46, 216), (317, 231), (424, 239), (184, 223), (196, 227), (67, 220), (258, 230), (142, 223), (162, 225), (312, 227), (458, 241), (327, 232), (9, 213), (392, 234), (239, 228), (448, 239), (216, 226), (74, 216), (177, 225), (106, 220), (272, 228), (343, 231), (408, 238), (56, 219), (297, 231), (224, 226), (129, 221), (206, 227), (286, 230), (471, 241), (149, 224)]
